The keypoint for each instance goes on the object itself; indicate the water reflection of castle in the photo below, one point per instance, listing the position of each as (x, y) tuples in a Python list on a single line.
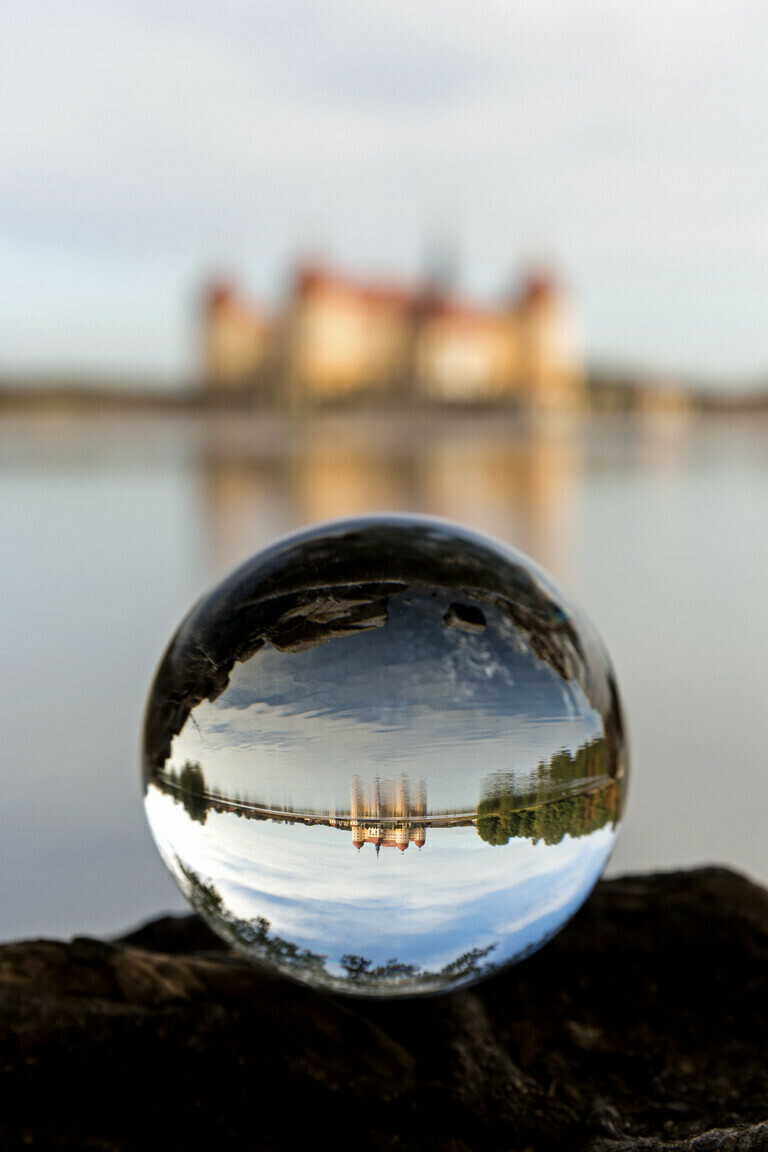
[(388, 814), (520, 489)]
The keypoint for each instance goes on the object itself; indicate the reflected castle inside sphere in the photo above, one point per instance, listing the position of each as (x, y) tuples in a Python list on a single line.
[(385, 756)]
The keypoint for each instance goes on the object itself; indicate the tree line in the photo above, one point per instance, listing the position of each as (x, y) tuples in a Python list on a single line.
[(505, 814)]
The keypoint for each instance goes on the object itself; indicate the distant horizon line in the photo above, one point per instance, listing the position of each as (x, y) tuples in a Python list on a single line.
[(23, 389), (596, 368)]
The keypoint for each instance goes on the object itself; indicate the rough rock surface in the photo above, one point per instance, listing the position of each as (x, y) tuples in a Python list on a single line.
[(644, 1025)]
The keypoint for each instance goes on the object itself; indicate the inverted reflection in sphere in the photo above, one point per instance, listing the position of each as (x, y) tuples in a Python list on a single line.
[(385, 756)]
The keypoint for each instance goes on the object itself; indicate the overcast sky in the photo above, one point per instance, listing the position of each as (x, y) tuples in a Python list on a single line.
[(144, 145)]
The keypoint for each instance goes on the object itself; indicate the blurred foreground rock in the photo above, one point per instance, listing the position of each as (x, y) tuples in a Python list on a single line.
[(642, 1026)]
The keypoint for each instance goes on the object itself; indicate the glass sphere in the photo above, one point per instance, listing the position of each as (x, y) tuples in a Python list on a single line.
[(385, 756)]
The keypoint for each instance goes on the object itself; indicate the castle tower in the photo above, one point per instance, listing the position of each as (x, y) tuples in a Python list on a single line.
[(402, 836), (549, 363), (358, 836), (237, 338)]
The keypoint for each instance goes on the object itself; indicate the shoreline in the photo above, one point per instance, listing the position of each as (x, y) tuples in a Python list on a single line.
[(630, 400)]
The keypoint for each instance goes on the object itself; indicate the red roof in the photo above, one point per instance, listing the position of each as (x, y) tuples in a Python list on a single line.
[(312, 279), (458, 312), (223, 297), (219, 294), (539, 288)]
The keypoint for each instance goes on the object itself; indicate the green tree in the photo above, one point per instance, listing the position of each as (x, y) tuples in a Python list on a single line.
[(192, 788), (533, 816)]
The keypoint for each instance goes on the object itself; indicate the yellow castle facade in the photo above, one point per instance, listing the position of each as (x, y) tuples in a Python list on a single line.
[(337, 337), (387, 813)]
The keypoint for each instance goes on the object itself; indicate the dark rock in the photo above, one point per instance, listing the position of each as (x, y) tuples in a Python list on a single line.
[(642, 1026), (175, 934)]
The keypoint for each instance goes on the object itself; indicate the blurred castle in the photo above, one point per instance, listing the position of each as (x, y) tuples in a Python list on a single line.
[(337, 338)]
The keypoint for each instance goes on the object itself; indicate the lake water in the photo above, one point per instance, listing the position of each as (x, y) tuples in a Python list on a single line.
[(111, 527)]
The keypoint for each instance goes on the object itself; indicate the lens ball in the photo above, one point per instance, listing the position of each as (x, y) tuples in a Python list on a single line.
[(385, 757)]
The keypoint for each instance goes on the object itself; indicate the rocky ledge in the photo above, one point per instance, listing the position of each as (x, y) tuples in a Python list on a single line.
[(644, 1025)]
